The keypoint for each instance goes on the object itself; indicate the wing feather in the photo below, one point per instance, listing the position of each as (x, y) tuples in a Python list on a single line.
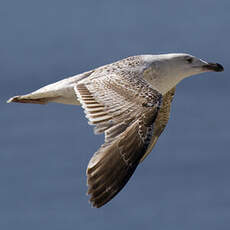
[(161, 119), (125, 110)]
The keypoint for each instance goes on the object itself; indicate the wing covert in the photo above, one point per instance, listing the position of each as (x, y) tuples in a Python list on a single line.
[(125, 110)]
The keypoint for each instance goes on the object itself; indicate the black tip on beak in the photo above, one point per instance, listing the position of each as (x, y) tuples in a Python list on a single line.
[(214, 67)]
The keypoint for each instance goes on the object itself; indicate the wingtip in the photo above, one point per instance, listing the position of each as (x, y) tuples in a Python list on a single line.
[(94, 204)]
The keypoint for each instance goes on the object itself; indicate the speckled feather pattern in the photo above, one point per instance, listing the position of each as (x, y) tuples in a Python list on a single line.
[(129, 101), (124, 106)]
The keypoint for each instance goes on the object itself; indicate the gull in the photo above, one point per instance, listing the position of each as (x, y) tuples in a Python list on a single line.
[(129, 101)]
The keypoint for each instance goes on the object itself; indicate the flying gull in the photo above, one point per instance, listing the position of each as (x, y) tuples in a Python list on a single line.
[(129, 101)]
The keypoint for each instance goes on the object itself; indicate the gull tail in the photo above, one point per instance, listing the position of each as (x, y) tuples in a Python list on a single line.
[(27, 99), (59, 92), (46, 94)]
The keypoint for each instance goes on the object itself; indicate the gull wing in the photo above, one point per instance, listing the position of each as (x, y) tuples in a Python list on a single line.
[(124, 107), (161, 119)]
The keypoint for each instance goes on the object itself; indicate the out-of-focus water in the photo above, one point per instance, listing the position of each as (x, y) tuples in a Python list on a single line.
[(44, 150)]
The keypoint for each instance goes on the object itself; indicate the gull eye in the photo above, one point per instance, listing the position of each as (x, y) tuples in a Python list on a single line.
[(189, 60)]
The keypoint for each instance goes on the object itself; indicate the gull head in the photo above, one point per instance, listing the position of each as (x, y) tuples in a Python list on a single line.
[(187, 65), (170, 69)]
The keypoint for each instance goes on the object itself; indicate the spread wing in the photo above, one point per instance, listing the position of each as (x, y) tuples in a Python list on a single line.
[(124, 109), (161, 119)]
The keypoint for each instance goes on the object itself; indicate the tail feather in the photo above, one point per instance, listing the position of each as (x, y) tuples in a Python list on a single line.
[(59, 92), (22, 99)]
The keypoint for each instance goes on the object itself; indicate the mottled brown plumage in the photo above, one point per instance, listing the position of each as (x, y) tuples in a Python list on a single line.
[(161, 119), (126, 113), (129, 101)]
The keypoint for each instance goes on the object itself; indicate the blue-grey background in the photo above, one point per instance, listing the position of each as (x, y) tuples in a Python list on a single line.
[(44, 150)]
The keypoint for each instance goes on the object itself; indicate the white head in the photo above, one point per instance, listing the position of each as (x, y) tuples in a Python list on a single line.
[(165, 71)]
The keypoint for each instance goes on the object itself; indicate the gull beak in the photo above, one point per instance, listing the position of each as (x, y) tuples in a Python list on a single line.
[(216, 67)]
